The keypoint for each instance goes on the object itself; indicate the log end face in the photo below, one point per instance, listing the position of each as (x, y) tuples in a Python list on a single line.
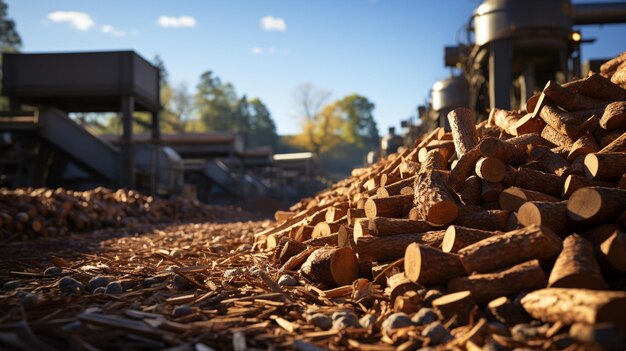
[(512, 199), (529, 214), (412, 262), (447, 245), (592, 165), (344, 266), (370, 209), (584, 204)]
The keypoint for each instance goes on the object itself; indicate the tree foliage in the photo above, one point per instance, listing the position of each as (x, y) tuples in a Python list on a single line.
[(10, 40)]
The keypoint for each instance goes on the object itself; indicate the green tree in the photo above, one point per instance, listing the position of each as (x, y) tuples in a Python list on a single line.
[(263, 128), (359, 125), (10, 40)]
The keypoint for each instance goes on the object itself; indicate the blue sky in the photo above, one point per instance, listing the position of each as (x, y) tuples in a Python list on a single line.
[(388, 50)]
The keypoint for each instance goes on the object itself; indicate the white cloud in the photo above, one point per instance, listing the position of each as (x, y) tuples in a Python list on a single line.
[(180, 21), (109, 29), (257, 50), (79, 20), (269, 23)]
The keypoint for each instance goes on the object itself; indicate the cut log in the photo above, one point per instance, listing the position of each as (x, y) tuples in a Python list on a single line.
[(393, 206), (485, 220), (617, 145), (432, 199), (513, 198), (539, 181), (570, 306), (331, 240), (613, 251), (508, 312), (331, 266), (526, 276), (444, 147), (614, 116), (345, 238), (553, 215), (334, 213), (505, 119), (324, 229), (282, 216), (575, 182), (491, 191), (586, 144), (596, 205), (550, 161), (511, 248), (458, 237), (388, 179), (576, 266), (290, 249), (570, 100), (389, 248), (399, 284), (361, 228), (457, 305), (354, 214), (381, 226), (555, 137), (505, 151), (463, 169), (302, 233), (607, 166), (490, 169), (597, 87), (529, 125), (470, 192), (463, 126), (396, 188), (429, 266)]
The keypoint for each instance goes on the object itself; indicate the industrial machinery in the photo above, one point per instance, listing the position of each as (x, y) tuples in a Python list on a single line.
[(42, 146), (513, 48)]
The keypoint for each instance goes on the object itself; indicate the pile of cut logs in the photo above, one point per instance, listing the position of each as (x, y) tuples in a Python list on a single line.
[(29, 212), (519, 216)]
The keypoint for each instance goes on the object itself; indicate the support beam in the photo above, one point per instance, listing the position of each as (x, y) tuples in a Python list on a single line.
[(127, 159), (500, 56)]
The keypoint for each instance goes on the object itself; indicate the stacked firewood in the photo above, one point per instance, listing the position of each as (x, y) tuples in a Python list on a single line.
[(43, 212), (517, 218)]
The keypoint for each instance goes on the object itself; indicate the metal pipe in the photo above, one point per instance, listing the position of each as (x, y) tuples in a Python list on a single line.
[(600, 13)]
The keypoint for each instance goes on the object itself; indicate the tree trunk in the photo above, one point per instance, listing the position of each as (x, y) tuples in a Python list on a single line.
[(382, 226), (463, 126), (458, 237), (459, 304), (393, 206), (513, 198), (490, 169), (539, 181), (570, 100), (331, 266), (505, 151), (485, 220), (470, 192), (508, 312), (607, 166), (596, 205), (551, 215)]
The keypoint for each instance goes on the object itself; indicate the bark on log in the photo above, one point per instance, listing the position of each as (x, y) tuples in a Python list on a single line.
[(617, 145), (550, 161), (608, 166), (429, 266), (485, 220), (586, 144), (399, 284), (432, 199), (331, 266), (508, 249), (571, 124), (282, 216), (614, 116), (395, 188), (570, 306), (389, 248), (553, 215), (458, 237), (570, 100), (331, 240), (505, 151), (444, 147), (596, 205), (470, 192), (555, 137), (576, 266), (491, 192), (459, 305), (393, 206), (354, 214), (529, 125), (463, 169), (290, 249), (526, 276), (597, 87), (613, 250), (508, 312), (575, 182), (463, 126), (381, 226), (302, 233), (513, 198), (505, 119), (539, 181)]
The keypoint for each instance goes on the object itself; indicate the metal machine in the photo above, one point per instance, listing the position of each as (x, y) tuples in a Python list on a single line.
[(42, 146), (514, 47)]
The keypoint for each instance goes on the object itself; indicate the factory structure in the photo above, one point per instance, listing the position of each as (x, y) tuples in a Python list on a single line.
[(41, 146), (512, 49)]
